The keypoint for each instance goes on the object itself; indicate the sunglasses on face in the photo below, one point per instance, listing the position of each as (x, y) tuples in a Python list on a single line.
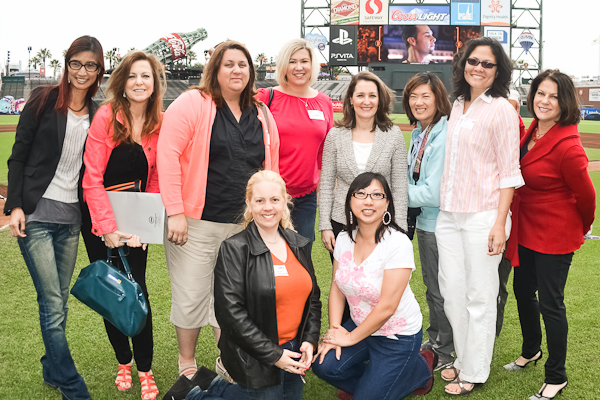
[(475, 62)]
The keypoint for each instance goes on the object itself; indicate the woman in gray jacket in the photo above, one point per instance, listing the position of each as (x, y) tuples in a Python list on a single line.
[(427, 107), (365, 140)]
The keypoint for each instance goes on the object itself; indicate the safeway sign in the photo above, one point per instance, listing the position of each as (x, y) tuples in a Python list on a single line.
[(374, 12)]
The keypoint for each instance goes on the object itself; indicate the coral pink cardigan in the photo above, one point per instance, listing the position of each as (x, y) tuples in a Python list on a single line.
[(98, 148), (184, 148)]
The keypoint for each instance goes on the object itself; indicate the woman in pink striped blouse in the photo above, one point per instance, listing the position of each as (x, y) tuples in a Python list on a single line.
[(481, 172)]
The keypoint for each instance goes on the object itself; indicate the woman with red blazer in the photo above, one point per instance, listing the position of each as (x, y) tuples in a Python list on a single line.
[(551, 214)]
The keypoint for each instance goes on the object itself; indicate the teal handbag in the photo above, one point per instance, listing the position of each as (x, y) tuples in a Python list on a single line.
[(113, 294)]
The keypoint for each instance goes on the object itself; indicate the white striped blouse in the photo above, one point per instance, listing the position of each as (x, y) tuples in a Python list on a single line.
[(482, 155)]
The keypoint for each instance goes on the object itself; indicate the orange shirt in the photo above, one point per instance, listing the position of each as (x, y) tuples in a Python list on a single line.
[(292, 288)]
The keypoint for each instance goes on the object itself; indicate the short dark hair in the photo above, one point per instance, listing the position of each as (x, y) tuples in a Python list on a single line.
[(409, 31), (501, 84), (360, 182), (210, 84), (442, 103), (568, 101), (384, 107)]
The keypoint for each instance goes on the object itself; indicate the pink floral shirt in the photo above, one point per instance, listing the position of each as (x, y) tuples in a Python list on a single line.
[(361, 284)]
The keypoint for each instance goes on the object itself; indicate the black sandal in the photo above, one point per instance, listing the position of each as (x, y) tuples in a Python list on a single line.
[(455, 374), (463, 391)]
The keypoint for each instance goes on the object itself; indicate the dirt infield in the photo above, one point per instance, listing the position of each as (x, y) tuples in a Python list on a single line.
[(8, 128)]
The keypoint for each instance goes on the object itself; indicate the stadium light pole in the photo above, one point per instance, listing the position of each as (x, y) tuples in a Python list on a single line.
[(29, 61)]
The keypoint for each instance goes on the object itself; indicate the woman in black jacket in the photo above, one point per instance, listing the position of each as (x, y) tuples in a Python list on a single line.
[(266, 300), (44, 193)]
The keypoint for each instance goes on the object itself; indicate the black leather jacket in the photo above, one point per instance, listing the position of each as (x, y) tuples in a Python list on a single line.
[(245, 306)]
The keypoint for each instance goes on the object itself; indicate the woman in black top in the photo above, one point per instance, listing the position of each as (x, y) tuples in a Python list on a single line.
[(121, 156), (44, 171)]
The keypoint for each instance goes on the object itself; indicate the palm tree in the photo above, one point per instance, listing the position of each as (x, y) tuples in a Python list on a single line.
[(110, 56), (54, 64), (259, 58), (64, 53), (35, 61), (131, 50), (191, 57), (43, 54)]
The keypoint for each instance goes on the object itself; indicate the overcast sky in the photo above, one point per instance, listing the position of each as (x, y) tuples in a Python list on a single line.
[(262, 25)]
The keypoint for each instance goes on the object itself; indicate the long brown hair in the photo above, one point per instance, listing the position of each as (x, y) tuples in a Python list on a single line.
[(120, 105), (386, 101), (210, 84), (79, 45)]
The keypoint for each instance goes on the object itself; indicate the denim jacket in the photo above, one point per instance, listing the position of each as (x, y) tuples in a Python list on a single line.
[(426, 192)]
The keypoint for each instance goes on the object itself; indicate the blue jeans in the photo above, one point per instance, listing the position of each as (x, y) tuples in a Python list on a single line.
[(304, 214), (50, 252), (290, 388), (394, 368)]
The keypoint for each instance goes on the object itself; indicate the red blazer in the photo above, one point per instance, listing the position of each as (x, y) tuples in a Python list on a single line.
[(555, 208)]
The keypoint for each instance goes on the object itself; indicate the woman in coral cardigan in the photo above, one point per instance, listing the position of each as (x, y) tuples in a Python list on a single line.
[(551, 214), (214, 137), (121, 156)]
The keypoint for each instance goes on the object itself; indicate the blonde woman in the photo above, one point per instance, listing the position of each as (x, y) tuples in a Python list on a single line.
[(266, 300), (304, 116)]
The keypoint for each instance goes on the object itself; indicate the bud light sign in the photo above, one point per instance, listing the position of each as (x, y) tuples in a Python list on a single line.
[(176, 44), (419, 15), (342, 49)]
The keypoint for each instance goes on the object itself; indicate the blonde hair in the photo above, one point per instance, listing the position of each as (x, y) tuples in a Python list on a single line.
[(286, 52), (269, 176)]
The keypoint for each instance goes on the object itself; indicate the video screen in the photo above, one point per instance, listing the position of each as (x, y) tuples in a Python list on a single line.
[(426, 43)]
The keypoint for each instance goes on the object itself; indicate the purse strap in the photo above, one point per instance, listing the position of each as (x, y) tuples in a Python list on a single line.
[(123, 260)]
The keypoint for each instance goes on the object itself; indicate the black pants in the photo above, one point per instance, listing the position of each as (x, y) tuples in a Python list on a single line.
[(546, 274), (504, 269), (337, 228), (143, 343)]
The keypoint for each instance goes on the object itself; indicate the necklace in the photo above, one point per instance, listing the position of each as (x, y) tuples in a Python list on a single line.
[(304, 102), (275, 242), (70, 108), (536, 135)]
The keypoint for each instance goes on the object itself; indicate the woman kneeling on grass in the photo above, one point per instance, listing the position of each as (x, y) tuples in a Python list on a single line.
[(266, 301), (373, 262)]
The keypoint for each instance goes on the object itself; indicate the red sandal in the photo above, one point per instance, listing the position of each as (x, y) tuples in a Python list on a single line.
[(149, 389), (123, 380)]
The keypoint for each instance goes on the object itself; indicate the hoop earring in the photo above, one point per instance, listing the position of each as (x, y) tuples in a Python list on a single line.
[(389, 216), (124, 95), (350, 217)]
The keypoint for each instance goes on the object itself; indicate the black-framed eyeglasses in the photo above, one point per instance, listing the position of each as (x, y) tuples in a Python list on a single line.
[(364, 195), (485, 64), (89, 67)]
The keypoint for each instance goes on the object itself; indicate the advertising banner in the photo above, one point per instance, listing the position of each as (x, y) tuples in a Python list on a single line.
[(317, 40), (420, 14), (465, 12), (495, 12), (342, 47), (176, 44), (594, 94), (501, 34), (344, 12), (374, 12)]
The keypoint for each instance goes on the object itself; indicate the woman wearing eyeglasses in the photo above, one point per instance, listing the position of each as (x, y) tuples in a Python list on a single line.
[(481, 171), (44, 193), (376, 352)]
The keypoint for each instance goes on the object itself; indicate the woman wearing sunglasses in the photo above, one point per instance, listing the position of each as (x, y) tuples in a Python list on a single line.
[(481, 172), (44, 194)]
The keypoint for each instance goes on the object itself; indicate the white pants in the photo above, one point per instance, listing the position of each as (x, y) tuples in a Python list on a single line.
[(468, 279)]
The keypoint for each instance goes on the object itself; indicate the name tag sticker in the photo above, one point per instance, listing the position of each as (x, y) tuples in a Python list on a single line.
[(316, 114), (467, 123), (280, 270)]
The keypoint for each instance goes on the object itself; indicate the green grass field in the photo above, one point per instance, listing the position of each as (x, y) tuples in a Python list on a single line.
[(22, 343)]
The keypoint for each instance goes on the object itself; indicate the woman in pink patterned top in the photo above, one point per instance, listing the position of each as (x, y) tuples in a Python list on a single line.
[(373, 262)]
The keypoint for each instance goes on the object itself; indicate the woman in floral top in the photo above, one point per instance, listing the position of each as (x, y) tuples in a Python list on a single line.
[(373, 262)]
